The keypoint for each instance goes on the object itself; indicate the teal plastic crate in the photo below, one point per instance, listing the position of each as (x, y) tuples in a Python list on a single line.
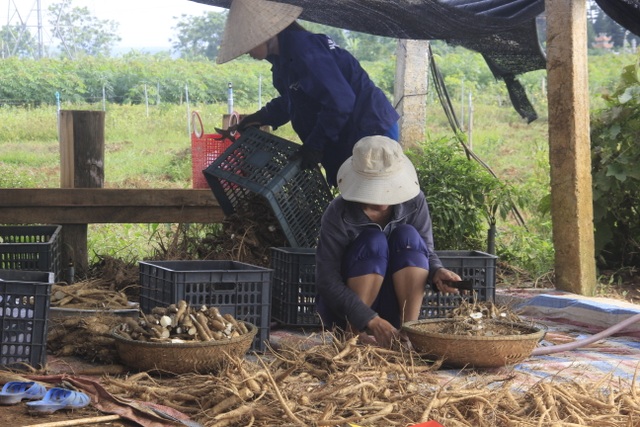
[(32, 248), (259, 163), (24, 305), (294, 286), (479, 267), (239, 289)]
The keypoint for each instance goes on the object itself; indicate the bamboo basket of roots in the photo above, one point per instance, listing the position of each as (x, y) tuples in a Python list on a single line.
[(183, 357), (501, 343)]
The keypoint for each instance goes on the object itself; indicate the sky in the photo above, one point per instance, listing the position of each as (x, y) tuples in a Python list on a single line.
[(142, 24)]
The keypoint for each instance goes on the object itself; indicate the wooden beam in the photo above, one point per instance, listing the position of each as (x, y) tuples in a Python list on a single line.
[(570, 146), (101, 205)]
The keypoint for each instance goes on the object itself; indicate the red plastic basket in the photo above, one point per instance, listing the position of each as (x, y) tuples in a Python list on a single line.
[(205, 148)]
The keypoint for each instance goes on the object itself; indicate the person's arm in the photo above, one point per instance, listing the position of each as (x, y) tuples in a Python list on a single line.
[(330, 284), (275, 112), (438, 275)]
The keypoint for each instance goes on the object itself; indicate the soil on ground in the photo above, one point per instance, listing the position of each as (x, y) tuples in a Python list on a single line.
[(18, 416)]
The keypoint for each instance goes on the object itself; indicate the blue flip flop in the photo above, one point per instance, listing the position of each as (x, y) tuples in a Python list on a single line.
[(15, 391), (59, 398)]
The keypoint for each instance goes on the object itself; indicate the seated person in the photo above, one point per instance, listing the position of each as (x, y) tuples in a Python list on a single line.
[(375, 251)]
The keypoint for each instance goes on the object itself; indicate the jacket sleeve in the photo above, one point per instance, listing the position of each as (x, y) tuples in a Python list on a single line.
[(330, 284), (422, 223), (276, 112)]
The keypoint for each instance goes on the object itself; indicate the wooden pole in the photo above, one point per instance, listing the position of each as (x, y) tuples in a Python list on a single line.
[(81, 166), (79, 422), (410, 91), (570, 147)]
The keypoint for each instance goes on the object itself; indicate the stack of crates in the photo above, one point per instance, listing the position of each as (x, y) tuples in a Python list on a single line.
[(239, 289), (24, 305), (31, 248), (262, 164), (294, 286)]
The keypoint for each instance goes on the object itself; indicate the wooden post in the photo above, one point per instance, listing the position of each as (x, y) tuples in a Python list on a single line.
[(410, 91), (570, 147), (81, 136)]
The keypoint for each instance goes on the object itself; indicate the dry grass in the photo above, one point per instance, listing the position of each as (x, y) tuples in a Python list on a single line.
[(340, 382)]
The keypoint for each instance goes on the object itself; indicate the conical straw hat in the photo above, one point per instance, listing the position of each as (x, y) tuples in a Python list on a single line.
[(251, 23)]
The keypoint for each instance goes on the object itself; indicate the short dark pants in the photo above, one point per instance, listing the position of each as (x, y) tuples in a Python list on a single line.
[(372, 253)]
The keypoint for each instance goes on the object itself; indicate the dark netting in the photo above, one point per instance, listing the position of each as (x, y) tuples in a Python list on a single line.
[(509, 54), (624, 12), (503, 31)]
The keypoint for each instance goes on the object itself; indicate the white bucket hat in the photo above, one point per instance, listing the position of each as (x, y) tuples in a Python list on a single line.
[(251, 23), (378, 173)]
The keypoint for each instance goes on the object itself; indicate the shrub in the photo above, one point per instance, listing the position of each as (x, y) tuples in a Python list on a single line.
[(464, 198), (615, 143)]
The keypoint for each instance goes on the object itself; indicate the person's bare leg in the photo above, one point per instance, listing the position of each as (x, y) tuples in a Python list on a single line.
[(409, 284), (367, 287)]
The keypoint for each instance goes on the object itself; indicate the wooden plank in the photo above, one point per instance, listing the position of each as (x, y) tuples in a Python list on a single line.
[(100, 205)]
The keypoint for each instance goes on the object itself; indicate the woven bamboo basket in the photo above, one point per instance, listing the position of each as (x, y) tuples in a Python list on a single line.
[(459, 351), (180, 358)]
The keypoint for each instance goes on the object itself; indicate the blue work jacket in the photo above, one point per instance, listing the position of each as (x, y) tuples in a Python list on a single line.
[(328, 97)]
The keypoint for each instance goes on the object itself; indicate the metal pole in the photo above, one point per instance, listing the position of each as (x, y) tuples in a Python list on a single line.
[(470, 125), (260, 92), (146, 99), (40, 39), (186, 95)]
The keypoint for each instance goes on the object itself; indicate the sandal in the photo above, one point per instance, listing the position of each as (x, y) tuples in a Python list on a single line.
[(15, 391), (59, 398)]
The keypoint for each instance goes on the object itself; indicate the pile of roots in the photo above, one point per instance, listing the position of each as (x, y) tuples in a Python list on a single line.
[(89, 294), (340, 382), (87, 337)]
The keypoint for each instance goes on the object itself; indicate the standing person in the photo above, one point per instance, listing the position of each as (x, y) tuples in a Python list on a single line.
[(325, 93), (375, 252)]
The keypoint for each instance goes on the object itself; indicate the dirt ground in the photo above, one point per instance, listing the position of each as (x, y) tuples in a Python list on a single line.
[(623, 285), (18, 416)]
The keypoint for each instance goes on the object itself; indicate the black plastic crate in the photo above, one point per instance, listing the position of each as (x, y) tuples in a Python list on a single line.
[(23, 321), (31, 247), (293, 287), (27, 276), (258, 163), (479, 267), (236, 288)]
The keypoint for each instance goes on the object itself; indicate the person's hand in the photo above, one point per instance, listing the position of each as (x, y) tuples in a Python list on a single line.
[(252, 120), (442, 277), (383, 331), (310, 157)]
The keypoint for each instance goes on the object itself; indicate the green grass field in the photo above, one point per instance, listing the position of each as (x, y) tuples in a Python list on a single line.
[(150, 147)]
